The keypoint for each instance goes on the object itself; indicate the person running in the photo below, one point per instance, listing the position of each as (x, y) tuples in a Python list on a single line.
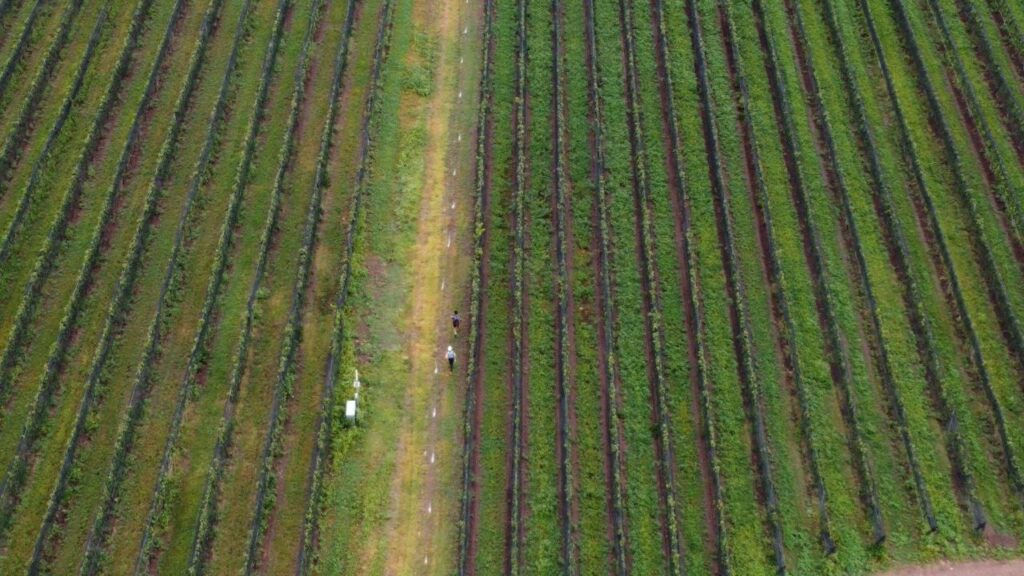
[(456, 320), (451, 359)]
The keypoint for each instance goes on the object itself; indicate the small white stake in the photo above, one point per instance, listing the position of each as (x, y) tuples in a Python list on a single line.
[(442, 285), (454, 171), (460, 136), (431, 457), (465, 30), (434, 413)]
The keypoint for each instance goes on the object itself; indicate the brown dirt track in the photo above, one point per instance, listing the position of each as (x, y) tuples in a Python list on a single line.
[(979, 568)]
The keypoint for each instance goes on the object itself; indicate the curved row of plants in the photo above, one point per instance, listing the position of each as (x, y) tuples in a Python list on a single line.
[(100, 247), (471, 424), (545, 537), (265, 494), (899, 257), (18, 470), (735, 289), (944, 254), (178, 510), (749, 497), (1006, 191), (120, 309), (641, 500), (823, 297), (985, 236), (203, 532), (1001, 81), (591, 468), (141, 13), (29, 106), (909, 351), (780, 296), (990, 262), (129, 430), (888, 360)]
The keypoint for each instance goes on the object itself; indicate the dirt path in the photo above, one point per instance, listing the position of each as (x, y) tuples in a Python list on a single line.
[(419, 533), (979, 568)]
